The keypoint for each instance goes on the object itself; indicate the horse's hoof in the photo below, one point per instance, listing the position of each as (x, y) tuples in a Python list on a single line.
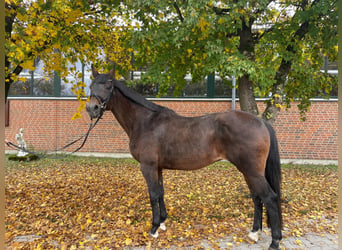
[(155, 235), (162, 226), (272, 248), (274, 245), (254, 236)]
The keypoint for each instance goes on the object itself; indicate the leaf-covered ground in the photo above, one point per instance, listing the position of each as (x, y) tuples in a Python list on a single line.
[(94, 203)]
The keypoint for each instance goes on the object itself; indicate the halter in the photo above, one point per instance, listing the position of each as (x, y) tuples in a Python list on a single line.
[(103, 103)]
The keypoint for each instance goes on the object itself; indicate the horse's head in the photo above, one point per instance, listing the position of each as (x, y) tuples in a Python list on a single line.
[(101, 92)]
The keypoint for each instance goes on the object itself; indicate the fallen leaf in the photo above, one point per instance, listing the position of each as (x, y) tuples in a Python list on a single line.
[(103, 203)]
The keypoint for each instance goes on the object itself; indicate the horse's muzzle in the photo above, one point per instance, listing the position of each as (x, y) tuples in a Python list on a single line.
[(94, 110)]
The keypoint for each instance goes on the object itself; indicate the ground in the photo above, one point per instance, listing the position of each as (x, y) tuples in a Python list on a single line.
[(77, 203)]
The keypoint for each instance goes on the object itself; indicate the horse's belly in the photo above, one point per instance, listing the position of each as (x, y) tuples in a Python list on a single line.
[(188, 161), (189, 151)]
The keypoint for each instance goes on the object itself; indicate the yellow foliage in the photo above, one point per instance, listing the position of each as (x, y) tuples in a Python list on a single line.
[(62, 35), (220, 21), (279, 106), (10, 1), (203, 24), (28, 64)]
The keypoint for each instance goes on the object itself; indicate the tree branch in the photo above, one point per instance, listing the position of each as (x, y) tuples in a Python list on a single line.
[(178, 11), (221, 11), (284, 69)]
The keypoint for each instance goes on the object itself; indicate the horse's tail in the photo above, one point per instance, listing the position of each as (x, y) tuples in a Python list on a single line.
[(273, 171)]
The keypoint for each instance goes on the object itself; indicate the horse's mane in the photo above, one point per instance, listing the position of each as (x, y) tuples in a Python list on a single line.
[(137, 98)]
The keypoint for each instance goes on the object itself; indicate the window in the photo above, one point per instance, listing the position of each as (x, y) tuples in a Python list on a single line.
[(37, 83), (210, 87), (22, 87), (66, 87)]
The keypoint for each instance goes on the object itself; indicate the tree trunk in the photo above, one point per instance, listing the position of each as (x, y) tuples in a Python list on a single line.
[(246, 86), (7, 87), (9, 20), (274, 104), (271, 112), (8, 79), (246, 96)]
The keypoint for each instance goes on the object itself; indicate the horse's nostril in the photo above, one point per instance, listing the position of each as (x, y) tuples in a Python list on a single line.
[(91, 107)]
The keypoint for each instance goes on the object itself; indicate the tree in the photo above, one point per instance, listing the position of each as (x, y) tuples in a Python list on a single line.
[(274, 48), (60, 33)]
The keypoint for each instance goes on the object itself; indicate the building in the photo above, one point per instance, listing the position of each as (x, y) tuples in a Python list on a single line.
[(44, 108)]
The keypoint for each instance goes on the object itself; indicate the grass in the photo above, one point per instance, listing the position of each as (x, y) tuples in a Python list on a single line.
[(50, 162)]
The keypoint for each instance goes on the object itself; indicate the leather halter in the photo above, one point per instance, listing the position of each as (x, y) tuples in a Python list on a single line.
[(103, 102)]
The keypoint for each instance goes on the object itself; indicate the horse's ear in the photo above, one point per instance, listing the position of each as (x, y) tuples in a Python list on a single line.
[(112, 73), (94, 71)]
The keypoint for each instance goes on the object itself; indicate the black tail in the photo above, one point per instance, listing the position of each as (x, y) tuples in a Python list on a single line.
[(273, 171)]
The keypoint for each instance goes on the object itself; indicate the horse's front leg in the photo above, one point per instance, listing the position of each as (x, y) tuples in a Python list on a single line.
[(156, 192), (162, 207)]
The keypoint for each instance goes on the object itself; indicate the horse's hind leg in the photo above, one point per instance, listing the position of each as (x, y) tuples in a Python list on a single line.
[(257, 224), (260, 187)]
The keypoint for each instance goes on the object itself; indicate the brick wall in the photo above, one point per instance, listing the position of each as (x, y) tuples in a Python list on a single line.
[(48, 126)]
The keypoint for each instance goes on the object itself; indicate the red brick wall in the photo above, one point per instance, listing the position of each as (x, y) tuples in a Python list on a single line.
[(316, 138), (48, 126)]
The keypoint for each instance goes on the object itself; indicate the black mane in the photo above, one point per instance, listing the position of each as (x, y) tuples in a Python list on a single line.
[(137, 98)]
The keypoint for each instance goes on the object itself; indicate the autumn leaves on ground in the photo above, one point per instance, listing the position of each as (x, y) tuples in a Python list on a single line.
[(77, 203)]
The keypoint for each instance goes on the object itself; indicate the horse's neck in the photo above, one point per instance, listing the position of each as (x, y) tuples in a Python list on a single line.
[(127, 112)]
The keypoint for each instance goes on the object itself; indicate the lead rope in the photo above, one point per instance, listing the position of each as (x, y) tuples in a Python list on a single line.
[(85, 136), (91, 126)]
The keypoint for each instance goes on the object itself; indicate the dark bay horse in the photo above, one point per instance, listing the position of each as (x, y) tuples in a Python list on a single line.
[(162, 139)]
